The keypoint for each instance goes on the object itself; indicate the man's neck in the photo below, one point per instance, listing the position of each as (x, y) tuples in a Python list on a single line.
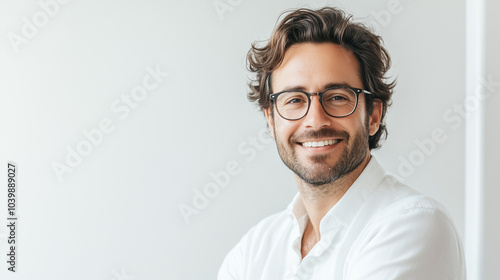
[(318, 200)]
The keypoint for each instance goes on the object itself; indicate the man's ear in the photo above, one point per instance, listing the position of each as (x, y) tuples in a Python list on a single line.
[(270, 120), (376, 116)]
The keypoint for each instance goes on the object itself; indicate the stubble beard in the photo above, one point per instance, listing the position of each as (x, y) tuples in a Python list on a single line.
[(321, 172)]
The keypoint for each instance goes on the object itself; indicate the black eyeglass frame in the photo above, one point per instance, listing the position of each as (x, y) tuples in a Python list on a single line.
[(357, 91)]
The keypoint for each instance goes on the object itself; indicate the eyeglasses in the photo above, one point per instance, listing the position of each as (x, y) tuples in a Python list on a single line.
[(337, 102)]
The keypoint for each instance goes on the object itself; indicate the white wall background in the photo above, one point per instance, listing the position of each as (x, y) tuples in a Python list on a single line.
[(117, 212), (491, 138)]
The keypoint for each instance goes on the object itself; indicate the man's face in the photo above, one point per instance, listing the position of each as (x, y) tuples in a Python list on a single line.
[(313, 68)]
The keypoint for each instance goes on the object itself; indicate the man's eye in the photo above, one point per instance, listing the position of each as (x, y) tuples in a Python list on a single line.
[(337, 98), (295, 100)]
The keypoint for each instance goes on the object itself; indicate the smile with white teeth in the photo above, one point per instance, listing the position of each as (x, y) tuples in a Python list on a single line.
[(320, 143)]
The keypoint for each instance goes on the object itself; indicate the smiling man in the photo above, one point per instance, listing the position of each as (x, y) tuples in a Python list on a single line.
[(320, 83)]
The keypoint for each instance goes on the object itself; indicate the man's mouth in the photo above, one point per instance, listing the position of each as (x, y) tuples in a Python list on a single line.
[(320, 143)]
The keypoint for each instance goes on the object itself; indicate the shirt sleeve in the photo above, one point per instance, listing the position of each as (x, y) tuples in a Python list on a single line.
[(411, 244), (232, 266)]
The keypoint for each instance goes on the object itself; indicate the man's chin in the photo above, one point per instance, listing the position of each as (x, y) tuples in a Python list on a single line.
[(318, 181), (318, 177)]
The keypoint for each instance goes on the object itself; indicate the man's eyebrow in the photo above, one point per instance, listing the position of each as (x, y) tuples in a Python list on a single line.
[(302, 88)]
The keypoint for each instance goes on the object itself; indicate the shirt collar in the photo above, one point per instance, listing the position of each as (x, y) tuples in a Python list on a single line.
[(342, 213), (297, 212)]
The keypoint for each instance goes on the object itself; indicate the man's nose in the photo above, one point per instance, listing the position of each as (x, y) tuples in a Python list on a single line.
[(316, 116)]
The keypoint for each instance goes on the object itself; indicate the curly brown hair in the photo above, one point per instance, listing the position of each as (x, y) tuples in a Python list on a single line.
[(327, 24)]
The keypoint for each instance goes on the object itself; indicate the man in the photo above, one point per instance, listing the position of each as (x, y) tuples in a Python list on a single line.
[(320, 82)]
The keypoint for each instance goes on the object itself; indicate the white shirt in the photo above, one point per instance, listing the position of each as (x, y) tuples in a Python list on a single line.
[(380, 229)]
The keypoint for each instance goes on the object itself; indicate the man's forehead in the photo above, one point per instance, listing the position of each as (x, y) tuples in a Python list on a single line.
[(316, 65), (334, 48)]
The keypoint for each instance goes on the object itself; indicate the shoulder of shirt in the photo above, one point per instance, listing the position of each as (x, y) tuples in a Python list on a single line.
[(257, 238), (400, 199)]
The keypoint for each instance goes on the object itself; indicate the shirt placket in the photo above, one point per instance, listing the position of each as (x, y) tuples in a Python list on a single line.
[(306, 268), (294, 257)]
